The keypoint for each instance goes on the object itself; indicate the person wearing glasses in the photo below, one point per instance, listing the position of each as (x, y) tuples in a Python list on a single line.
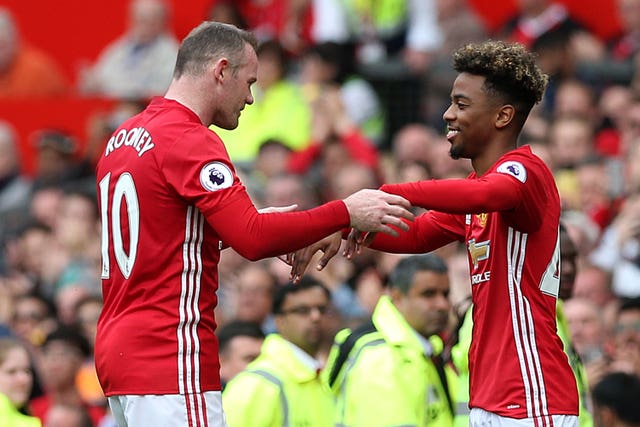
[(282, 387)]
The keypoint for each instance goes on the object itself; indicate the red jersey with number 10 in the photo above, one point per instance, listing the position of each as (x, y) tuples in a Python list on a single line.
[(509, 219), (170, 200)]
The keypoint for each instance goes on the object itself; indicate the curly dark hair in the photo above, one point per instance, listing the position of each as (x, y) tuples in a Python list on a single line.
[(510, 72)]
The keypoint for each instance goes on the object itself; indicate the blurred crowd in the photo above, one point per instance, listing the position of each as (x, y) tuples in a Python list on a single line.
[(350, 95)]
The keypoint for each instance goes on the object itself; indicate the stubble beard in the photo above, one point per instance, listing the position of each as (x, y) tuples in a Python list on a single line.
[(455, 153)]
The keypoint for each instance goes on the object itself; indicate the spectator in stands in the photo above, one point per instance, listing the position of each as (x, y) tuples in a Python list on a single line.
[(627, 44), (15, 188), (86, 313), (286, 21), (588, 335), (66, 415), (631, 168), (239, 344), (139, 64), (254, 295), (626, 340), (102, 124), (459, 25), (570, 143), (576, 98), (66, 298), (599, 198), (57, 160), (594, 284), (568, 269), (25, 71), (16, 380), (571, 140), (336, 142), (386, 31), (628, 124), (547, 28), (330, 65), (619, 250), (389, 372), (76, 235), (584, 232), (282, 386), (413, 143), (226, 11), (270, 162), (288, 189), (615, 400), (33, 319), (616, 65), (72, 246), (63, 353)]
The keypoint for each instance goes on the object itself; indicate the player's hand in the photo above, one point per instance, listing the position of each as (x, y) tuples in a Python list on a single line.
[(299, 260), (375, 210), (356, 241), (272, 209)]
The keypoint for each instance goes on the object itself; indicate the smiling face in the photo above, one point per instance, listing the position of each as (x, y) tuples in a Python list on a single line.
[(470, 118)]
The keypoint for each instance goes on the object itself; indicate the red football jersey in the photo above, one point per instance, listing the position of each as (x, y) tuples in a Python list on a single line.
[(509, 220), (170, 200)]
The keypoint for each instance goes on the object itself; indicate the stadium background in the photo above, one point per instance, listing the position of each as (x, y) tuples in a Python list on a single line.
[(74, 31)]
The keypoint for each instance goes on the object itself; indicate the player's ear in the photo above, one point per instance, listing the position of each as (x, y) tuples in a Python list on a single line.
[(220, 68), (505, 115)]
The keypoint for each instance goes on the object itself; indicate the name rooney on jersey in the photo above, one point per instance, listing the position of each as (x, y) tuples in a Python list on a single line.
[(138, 138)]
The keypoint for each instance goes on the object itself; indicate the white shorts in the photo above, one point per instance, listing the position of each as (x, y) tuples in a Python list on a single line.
[(481, 418), (168, 410)]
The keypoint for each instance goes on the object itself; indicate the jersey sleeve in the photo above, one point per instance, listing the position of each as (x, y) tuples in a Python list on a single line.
[(257, 235), (427, 232), (204, 176), (517, 187), (536, 186), (493, 192)]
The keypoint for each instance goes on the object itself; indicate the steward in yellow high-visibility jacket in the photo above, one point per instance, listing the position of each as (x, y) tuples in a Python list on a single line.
[(282, 386), (390, 377), (388, 374), (585, 418), (277, 390), (460, 358), (11, 417)]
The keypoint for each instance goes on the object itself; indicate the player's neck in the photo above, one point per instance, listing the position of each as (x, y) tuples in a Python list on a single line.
[(491, 154), (188, 92)]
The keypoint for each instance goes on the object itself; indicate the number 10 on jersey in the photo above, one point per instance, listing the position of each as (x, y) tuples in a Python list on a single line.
[(124, 189)]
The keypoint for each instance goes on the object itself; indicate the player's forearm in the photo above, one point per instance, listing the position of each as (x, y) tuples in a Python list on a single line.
[(460, 196), (423, 236), (254, 235)]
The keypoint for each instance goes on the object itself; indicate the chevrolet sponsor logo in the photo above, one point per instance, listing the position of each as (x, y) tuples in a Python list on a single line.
[(478, 251)]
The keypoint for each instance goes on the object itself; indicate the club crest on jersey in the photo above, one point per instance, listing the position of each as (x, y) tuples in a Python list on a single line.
[(515, 169), (216, 176)]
